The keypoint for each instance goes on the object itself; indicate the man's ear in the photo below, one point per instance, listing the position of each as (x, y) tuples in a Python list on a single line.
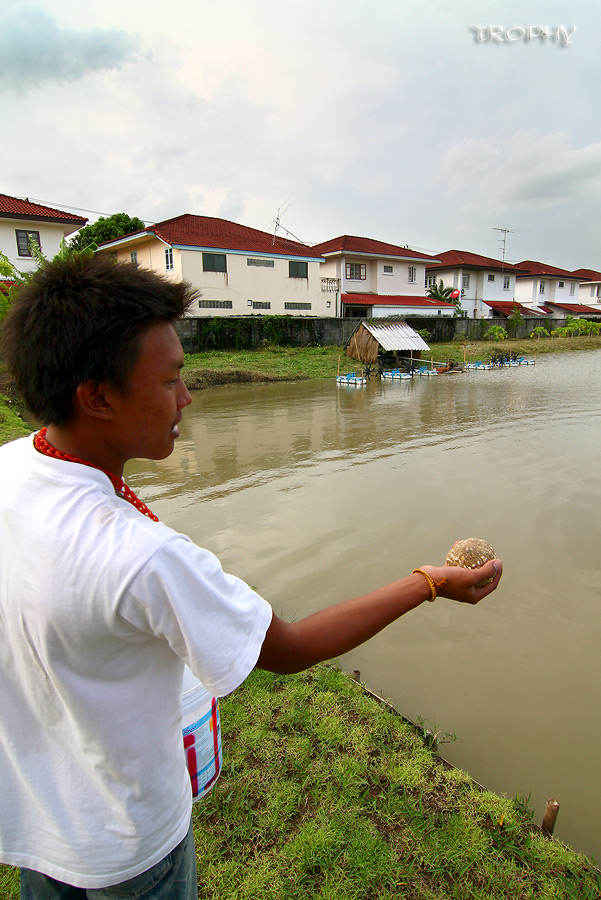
[(93, 398)]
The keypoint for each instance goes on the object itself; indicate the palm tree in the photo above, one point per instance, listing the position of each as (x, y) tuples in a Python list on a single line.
[(442, 293)]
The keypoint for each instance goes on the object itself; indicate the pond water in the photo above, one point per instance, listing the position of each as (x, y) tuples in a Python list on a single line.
[(314, 493)]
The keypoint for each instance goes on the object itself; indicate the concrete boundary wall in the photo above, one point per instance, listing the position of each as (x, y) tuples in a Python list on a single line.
[(253, 332)]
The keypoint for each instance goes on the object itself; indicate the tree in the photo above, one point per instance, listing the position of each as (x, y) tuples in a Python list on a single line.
[(515, 319), (496, 333), (539, 332), (105, 229), (443, 294)]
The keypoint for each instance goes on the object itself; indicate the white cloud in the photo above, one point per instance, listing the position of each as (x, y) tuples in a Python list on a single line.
[(36, 51), (380, 118)]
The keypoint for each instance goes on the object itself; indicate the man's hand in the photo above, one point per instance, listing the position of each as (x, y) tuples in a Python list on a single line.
[(466, 585)]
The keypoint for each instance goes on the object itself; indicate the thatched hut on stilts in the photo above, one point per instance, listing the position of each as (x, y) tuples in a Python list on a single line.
[(390, 334)]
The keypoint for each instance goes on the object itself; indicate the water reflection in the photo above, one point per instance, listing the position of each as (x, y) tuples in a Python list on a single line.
[(315, 492)]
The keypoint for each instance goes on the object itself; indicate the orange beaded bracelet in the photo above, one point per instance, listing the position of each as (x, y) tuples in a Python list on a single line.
[(434, 586)]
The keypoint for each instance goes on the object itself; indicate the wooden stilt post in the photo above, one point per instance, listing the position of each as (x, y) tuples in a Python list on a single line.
[(550, 817)]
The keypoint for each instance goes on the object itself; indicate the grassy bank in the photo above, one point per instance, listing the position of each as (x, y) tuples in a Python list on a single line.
[(326, 793), (290, 363)]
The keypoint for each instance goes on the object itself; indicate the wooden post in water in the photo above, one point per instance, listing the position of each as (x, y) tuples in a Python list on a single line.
[(550, 817)]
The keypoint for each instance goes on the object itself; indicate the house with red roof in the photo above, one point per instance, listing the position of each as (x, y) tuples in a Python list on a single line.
[(487, 285), (239, 270), (590, 286), (23, 223), (541, 285), (378, 279)]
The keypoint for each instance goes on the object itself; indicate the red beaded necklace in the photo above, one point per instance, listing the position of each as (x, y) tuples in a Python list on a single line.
[(121, 489)]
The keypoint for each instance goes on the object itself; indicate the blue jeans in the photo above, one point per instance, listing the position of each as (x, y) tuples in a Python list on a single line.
[(173, 878)]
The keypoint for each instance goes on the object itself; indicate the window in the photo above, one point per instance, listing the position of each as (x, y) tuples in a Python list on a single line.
[(491, 277), (561, 284), (213, 262), (267, 263), (297, 306), (593, 290), (572, 288), (541, 287), (431, 281), (24, 239), (388, 270), (465, 282), (505, 282), (168, 258), (215, 304), (356, 271), (261, 304), (412, 273), (297, 269), (133, 257)]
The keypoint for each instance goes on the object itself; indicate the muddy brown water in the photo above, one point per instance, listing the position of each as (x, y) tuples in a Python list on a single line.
[(314, 493)]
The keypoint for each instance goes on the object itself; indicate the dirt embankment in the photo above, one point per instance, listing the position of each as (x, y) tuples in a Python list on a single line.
[(199, 379)]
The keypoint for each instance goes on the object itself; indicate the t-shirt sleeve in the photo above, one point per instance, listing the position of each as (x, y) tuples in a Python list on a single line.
[(213, 621)]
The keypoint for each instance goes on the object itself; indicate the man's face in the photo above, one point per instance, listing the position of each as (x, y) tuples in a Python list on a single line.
[(148, 410)]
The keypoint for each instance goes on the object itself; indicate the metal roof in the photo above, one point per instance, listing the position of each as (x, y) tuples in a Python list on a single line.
[(396, 336)]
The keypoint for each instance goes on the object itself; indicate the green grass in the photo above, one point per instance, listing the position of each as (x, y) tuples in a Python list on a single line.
[(11, 425), (270, 363), (528, 347), (326, 793), (289, 363)]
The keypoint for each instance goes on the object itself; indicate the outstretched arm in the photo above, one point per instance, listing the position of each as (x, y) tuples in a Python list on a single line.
[(293, 646)]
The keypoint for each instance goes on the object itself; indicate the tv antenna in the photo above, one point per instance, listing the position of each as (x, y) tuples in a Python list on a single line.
[(503, 239), (276, 221)]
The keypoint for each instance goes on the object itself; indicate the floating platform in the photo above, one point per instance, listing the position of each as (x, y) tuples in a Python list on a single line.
[(397, 375), (351, 378)]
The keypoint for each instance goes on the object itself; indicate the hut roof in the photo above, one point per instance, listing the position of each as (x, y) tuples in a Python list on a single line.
[(395, 335)]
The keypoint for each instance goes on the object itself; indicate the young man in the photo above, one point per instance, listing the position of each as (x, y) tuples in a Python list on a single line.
[(101, 605)]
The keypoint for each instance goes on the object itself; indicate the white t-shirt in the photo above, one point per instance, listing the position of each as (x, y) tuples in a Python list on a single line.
[(99, 610)]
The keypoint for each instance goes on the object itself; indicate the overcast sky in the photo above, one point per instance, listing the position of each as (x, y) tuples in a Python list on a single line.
[(393, 119)]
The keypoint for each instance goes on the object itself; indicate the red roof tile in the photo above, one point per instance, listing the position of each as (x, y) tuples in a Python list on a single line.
[(537, 268), (453, 258), (220, 234), (587, 274), (576, 307), (379, 300), (350, 244), (508, 306), (13, 207)]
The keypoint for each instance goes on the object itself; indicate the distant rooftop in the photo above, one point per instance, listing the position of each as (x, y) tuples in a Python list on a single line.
[(189, 230), (17, 208), (351, 244)]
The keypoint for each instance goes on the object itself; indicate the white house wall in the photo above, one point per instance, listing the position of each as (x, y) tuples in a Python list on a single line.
[(589, 293), (243, 283), (480, 289), (51, 235), (376, 281), (528, 290), (379, 312)]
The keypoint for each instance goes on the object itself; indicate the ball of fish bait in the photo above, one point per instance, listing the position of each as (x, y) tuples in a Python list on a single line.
[(470, 553)]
